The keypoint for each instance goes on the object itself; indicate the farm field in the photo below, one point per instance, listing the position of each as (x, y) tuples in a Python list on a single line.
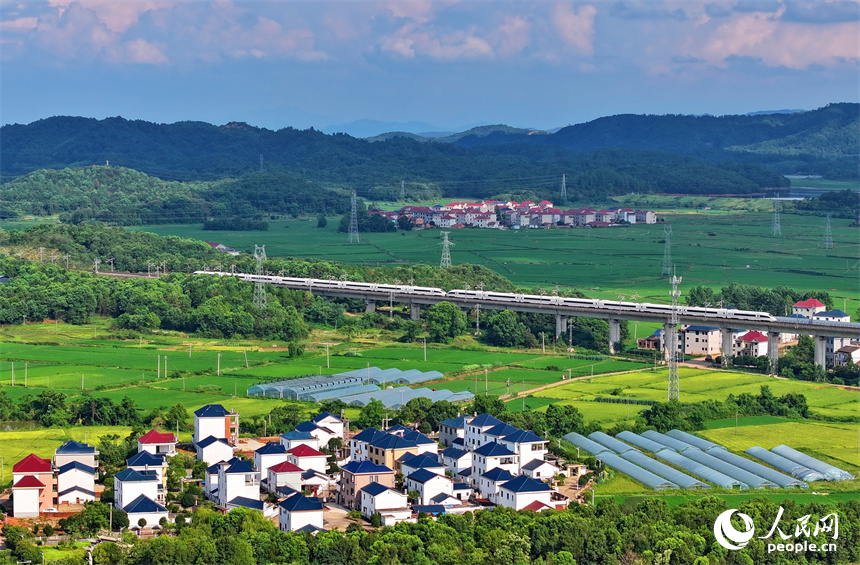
[(711, 248)]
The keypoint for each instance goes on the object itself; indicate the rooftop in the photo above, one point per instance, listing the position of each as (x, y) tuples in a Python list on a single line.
[(32, 464), (153, 436), (484, 420), (286, 467), (131, 476), (422, 476), (145, 458), (73, 446), (303, 450), (494, 449), (364, 467), (523, 483), (272, 447), (211, 411), (76, 465), (301, 503), (143, 505)]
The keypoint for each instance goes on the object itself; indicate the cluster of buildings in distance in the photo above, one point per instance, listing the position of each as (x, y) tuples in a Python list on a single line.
[(506, 214), (477, 462), (707, 340)]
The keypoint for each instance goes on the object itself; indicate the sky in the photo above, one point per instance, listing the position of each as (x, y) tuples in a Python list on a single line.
[(421, 64)]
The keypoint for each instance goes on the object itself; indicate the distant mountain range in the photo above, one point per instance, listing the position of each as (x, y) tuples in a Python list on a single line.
[(824, 141)]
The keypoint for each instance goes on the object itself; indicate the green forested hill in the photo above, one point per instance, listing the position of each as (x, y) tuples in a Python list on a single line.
[(220, 165), (823, 141)]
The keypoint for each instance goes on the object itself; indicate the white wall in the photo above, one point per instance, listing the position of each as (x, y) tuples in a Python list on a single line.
[(292, 521), (25, 503), (126, 492), (152, 519), (518, 501), (205, 427), (215, 453)]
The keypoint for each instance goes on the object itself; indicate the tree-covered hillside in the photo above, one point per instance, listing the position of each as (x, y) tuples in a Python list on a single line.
[(622, 159), (823, 141)]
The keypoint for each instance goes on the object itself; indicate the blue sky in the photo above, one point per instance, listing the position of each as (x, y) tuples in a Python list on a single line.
[(448, 63)]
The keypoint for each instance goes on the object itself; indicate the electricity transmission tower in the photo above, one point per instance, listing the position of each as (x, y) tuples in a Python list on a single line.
[(353, 220), (446, 251), (563, 189), (667, 250), (828, 234), (776, 228), (402, 190), (672, 341), (260, 297)]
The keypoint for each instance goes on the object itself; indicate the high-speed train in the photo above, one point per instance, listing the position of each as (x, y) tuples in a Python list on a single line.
[(499, 297)]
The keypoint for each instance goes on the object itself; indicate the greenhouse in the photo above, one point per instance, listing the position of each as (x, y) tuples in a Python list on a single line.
[(757, 468), (675, 444), (617, 446), (415, 376), (583, 442), (383, 377), (663, 470), (751, 479), (635, 472), (700, 470), (397, 397), (292, 389), (695, 441), (832, 473), (324, 395), (641, 442), (793, 468)]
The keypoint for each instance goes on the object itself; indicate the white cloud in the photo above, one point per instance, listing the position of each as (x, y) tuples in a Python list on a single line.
[(576, 26)]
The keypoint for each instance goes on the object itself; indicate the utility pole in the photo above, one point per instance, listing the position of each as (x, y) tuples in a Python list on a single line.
[(41, 254), (402, 190), (425, 347), (486, 383), (96, 263), (327, 364), (158, 366), (353, 219), (219, 365), (66, 257), (110, 261), (446, 250), (246, 358)]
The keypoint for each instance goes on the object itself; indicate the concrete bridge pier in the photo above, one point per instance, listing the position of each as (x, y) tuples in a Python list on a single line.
[(614, 333), (820, 350), (560, 325), (726, 349), (773, 352), (370, 305), (414, 311)]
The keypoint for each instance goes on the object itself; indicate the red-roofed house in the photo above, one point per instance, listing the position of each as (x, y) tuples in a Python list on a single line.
[(307, 458), (537, 506), (157, 443), (282, 475), (752, 343), (35, 477), (808, 307)]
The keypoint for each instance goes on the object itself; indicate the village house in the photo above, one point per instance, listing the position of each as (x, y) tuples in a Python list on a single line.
[(146, 461), (391, 505), (130, 484), (300, 513), (213, 420), (428, 485), (284, 475), (157, 443), (214, 450), (144, 508), (237, 478), (492, 455), (523, 491), (455, 459), (451, 429), (76, 483), (291, 439), (359, 443), (33, 486), (702, 340), (808, 308), (308, 458), (270, 454), (356, 475), (75, 451)]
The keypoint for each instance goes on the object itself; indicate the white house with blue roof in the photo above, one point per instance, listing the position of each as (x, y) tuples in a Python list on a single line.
[(487, 484), (702, 340), (270, 454), (146, 461), (392, 505), (213, 450), (301, 513), (323, 433), (130, 484), (492, 455), (455, 459), (428, 485), (330, 421), (76, 451), (358, 443), (526, 444), (144, 508), (295, 438), (76, 483), (410, 463), (522, 491), (451, 429), (237, 479), (496, 433), (540, 469), (216, 421), (473, 434)]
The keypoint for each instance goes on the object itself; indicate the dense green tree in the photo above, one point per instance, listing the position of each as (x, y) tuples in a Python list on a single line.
[(445, 321)]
